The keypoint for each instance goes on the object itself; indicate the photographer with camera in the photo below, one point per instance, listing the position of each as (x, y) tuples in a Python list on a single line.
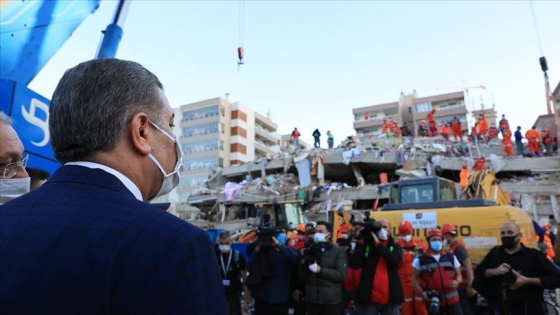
[(323, 269), (271, 265), (378, 257), (439, 275), (512, 277)]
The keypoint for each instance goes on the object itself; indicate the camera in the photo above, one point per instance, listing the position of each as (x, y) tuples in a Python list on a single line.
[(433, 307), (312, 251), (265, 235), (369, 226), (509, 278)]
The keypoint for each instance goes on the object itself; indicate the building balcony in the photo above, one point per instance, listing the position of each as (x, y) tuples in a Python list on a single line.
[(265, 136), (261, 148), (265, 122)]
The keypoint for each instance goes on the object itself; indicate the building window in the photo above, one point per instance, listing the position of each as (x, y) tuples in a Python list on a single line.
[(200, 113), (423, 107), (200, 129), (208, 162)]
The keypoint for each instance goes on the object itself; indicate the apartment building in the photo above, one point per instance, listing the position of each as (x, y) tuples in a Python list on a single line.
[(409, 110), (216, 133)]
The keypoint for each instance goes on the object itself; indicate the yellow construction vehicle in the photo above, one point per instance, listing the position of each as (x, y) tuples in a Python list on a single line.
[(478, 211)]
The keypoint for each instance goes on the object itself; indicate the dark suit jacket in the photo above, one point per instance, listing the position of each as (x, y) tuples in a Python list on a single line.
[(82, 244)]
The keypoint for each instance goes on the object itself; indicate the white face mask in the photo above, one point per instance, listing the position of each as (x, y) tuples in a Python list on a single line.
[(382, 235), (11, 188), (320, 237), (406, 238), (353, 245), (171, 180), (224, 248)]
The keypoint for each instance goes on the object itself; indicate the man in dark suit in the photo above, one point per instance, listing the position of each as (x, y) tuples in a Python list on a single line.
[(86, 242)]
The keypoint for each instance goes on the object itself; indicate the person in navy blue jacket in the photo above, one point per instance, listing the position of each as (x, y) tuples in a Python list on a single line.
[(270, 273), (86, 242)]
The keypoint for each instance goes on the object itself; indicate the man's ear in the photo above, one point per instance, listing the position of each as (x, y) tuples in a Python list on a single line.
[(140, 132)]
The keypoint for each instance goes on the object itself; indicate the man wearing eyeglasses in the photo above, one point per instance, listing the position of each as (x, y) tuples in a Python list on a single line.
[(14, 180), (86, 242)]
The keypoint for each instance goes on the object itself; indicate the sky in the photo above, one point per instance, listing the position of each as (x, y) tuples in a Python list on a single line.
[(309, 63)]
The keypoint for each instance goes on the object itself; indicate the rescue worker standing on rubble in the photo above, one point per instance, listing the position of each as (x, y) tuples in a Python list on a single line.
[(439, 275), (464, 176), (518, 144), (317, 138), (458, 249), (534, 138), (295, 138), (330, 139), (456, 128), (378, 257), (432, 123), (413, 303), (482, 128), (506, 142), (503, 124)]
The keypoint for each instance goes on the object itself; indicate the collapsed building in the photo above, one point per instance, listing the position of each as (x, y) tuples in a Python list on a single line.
[(355, 176)]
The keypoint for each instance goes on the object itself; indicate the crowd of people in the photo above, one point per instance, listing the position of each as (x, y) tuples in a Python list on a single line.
[(365, 270)]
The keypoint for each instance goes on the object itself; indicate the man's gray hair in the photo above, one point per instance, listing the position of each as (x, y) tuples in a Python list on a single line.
[(94, 102), (5, 119)]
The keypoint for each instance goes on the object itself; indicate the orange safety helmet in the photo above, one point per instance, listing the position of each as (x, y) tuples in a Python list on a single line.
[(448, 228), (434, 232), (301, 228), (465, 166), (405, 227)]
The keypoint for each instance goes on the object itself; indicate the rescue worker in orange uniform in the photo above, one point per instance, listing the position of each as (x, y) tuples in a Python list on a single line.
[(548, 241), (482, 127), (444, 131), (413, 304), (503, 124), (385, 126), (474, 132), (432, 123), (456, 128), (458, 249), (479, 164), (464, 176), (507, 145), (437, 272), (534, 138)]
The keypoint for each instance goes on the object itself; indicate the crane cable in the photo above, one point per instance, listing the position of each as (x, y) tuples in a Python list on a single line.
[(240, 50), (536, 27)]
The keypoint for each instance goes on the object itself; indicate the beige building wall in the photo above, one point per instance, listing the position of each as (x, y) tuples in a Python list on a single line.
[(215, 133), (410, 110)]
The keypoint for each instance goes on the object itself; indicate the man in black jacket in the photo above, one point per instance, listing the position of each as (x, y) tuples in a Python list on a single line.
[(378, 257), (323, 269), (514, 276)]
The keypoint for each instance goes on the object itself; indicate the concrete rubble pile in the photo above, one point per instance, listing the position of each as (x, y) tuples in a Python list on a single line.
[(356, 174)]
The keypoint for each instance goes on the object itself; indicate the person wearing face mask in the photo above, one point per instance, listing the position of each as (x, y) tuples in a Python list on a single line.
[(436, 272), (87, 240), (515, 275), (14, 180), (377, 257), (233, 268), (324, 276), (413, 303), (459, 249)]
